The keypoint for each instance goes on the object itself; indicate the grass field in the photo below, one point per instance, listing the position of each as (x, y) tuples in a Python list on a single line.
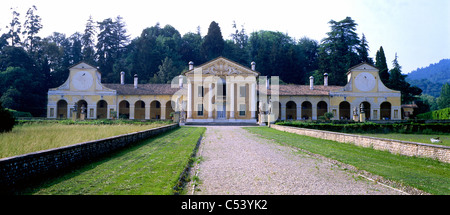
[(419, 138), (426, 174), (151, 167), (34, 137)]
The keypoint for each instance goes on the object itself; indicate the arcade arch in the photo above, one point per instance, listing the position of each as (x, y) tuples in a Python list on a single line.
[(385, 110), (291, 110), (102, 109), (306, 110), (344, 110), (61, 109)]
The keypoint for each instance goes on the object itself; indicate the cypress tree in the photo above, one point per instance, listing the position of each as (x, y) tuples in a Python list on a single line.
[(213, 43), (381, 64)]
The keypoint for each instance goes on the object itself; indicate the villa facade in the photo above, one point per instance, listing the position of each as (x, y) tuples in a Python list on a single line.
[(223, 91)]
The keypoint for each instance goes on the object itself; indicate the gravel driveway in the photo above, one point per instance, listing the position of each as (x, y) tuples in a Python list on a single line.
[(235, 161)]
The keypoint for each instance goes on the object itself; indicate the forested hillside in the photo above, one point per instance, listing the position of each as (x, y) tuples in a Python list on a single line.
[(30, 64), (431, 78)]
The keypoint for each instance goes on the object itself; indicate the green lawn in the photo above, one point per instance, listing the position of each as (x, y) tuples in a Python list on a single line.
[(152, 167), (32, 137), (426, 174), (419, 138)]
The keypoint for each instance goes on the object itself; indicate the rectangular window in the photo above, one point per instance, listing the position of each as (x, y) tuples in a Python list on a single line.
[(91, 112), (200, 110), (52, 112), (395, 114), (242, 92), (242, 110), (200, 91)]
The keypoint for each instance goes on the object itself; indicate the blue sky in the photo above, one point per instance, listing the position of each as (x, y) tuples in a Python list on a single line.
[(417, 30)]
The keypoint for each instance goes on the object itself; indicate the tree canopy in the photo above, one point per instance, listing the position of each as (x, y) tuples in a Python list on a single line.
[(30, 65)]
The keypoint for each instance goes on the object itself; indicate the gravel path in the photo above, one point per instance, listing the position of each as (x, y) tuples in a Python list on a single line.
[(235, 161)]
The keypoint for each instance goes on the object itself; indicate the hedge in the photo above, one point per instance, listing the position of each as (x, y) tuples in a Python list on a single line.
[(437, 114), (370, 127)]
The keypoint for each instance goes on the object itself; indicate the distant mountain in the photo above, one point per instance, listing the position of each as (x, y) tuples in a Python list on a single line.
[(431, 78)]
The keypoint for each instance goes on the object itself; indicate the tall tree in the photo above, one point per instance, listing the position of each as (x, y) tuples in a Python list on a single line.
[(363, 51), (14, 29), (121, 37), (338, 51), (380, 63), (32, 26), (443, 101), (397, 82), (88, 41), (190, 49), (75, 48), (112, 40), (239, 36), (308, 59), (276, 54), (167, 70), (213, 43), (237, 48)]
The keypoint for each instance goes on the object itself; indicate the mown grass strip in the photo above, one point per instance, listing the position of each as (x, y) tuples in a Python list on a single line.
[(32, 137), (151, 167), (425, 174), (418, 138)]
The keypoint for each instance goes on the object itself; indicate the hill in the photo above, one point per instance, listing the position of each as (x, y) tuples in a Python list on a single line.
[(431, 78)]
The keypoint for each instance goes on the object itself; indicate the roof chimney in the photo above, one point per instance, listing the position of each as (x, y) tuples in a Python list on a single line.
[(325, 79), (311, 83), (253, 65), (135, 81), (122, 78), (191, 65)]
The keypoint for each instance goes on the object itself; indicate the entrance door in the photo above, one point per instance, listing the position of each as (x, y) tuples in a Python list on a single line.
[(221, 111)]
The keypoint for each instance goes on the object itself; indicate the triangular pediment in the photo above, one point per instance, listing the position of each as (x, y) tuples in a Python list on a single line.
[(363, 67), (83, 78), (222, 67), (82, 65)]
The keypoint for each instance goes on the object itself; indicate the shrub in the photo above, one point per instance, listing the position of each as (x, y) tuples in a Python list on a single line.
[(370, 127), (437, 114), (17, 114), (7, 120), (328, 115)]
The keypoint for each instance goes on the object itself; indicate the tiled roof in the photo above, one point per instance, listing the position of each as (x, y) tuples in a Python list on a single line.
[(304, 90), (410, 106), (143, 89), (166, 89)]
